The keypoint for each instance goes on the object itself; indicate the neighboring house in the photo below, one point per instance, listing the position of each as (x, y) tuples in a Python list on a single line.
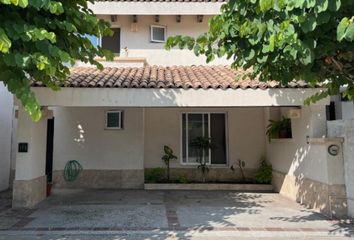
[(6, 118), (341, 108), (115, 122)]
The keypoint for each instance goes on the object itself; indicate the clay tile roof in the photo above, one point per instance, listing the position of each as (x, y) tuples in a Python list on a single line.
[(196, 77)]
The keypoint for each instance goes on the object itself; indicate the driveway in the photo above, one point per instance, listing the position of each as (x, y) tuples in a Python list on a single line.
[(111, 214)]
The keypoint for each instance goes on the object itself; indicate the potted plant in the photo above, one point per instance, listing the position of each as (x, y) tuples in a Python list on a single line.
[(279, 129), (201, 145), (265, 172), (167, 157)]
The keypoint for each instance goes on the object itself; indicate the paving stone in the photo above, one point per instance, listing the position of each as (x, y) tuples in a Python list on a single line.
[(78, 214)]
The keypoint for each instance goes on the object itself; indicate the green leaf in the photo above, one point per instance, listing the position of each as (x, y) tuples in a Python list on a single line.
[(341, 29), (349, 34), (23, 3), (310, 3), (334, 5), (309, 24), (265, 5), (321, 5), (5, 43)]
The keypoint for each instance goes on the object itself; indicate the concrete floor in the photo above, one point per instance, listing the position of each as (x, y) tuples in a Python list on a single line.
[(110, 214)]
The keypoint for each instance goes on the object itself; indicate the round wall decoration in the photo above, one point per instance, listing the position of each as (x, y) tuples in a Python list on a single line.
[(333, 150)]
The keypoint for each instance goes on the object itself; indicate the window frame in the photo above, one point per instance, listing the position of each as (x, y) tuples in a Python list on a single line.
[(120, 40), (120, 120), (151, 33), (99, 40), (209, 128)]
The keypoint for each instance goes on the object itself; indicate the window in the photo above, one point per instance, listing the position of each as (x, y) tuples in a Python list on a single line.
[(158, 33), (114, 120), (112, 43), (209, 125)]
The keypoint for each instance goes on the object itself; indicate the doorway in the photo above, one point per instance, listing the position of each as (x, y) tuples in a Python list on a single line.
[(49, 150)]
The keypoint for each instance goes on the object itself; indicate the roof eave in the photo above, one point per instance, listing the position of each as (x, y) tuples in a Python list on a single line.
[(156, 8)]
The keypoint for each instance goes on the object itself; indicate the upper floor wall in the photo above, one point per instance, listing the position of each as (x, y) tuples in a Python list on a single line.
[(132, 21), (139, 7), (134, 46)]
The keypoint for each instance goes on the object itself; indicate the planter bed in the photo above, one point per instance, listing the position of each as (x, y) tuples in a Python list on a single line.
[(210, 186)]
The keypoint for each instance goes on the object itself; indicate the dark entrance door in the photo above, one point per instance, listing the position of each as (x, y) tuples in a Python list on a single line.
[(49, 152)]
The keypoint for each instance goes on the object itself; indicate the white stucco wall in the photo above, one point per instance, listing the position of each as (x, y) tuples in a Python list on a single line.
[(79, 134), (296, 157), (345, 128), (31, 164), (139, 44), (245, 133), (347, 110), (152, 97), (6, 111)]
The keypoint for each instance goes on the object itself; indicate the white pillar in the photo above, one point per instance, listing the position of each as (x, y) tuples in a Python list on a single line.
[(29, 187), (345, 128)]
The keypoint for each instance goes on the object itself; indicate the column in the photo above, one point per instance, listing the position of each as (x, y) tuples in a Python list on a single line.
[(29, 186)]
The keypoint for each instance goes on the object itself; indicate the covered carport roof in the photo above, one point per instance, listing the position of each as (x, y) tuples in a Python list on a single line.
[(175, 86)]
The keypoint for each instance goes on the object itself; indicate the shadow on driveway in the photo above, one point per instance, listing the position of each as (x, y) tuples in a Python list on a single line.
[(172, 214)]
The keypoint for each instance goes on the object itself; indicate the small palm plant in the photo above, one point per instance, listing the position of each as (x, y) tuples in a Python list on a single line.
[(167, 157), (279, 129), (201, 145)]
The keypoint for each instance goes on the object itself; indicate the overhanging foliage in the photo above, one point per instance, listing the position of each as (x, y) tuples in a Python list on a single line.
[(284, 40), (40, 39)]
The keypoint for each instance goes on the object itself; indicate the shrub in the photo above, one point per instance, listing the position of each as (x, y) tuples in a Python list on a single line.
[(154, 175), (181, 179), (264, 173)]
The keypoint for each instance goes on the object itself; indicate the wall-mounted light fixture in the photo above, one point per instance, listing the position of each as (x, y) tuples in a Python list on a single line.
[(135, 18), (200, 18), (157, 18), (178, 18), (113, 18)]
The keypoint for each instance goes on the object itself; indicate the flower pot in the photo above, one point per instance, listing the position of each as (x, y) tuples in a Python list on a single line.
[(283, 133), (49, 189)]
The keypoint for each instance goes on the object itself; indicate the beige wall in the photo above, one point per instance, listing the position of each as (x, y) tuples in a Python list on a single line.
[(245, 130), (79, 134), (140, 46)]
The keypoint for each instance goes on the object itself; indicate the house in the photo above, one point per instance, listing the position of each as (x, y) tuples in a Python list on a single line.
[(116, 122), (6, 122)]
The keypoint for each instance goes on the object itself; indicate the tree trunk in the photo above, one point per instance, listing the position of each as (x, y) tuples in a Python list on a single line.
[(168, 171)]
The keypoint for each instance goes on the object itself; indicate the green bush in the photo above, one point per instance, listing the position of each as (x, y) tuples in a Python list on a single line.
[(264, 173), (154, 175), (181, 179)]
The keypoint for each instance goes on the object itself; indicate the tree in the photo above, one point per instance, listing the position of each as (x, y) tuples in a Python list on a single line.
[(41, 39), (284, 40)]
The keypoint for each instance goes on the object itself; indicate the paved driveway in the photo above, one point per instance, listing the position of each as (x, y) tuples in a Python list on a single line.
[(110, 214)]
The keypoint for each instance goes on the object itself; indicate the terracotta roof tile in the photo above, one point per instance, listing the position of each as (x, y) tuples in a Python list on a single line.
[(196, 77)]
